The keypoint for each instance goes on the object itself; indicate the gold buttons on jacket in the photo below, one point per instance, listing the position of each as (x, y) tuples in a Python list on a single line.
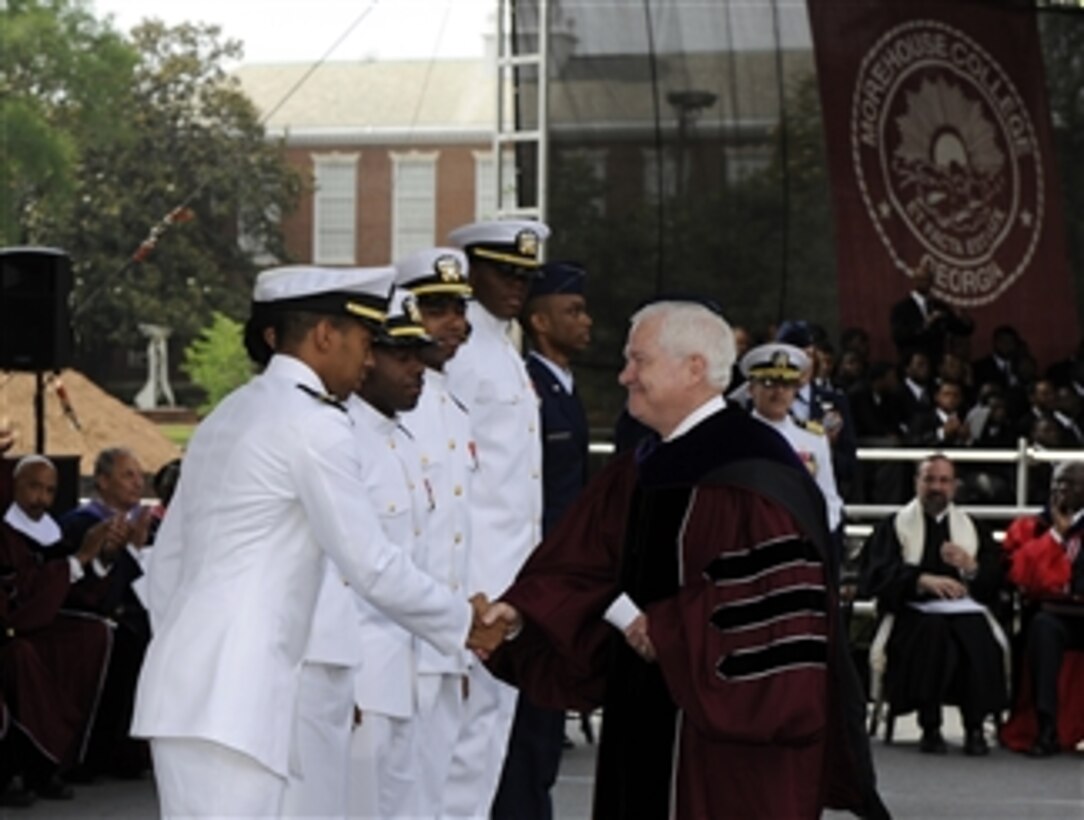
[(458, 489)]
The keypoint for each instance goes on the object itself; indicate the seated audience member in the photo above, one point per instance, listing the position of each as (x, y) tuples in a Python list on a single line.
[(856, 339), (943, 424), (917, 392), (824, 362), (1046, 563), (849, 373), (991, 429), (1043, 403), (879, 422), (954, 368), (1069, 372), (1001, 366), (934, 571), (877, 408), (118, 489), (1067, 412), (51, 661), (1045, 434)]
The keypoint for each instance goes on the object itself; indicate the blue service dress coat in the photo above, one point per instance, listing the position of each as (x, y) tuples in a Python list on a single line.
[(565, 437)]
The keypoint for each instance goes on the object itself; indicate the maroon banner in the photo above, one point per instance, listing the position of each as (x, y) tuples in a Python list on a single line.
[(938, 141)]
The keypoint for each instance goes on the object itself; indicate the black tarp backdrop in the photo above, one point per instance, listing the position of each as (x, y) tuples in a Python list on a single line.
[(687, 154)]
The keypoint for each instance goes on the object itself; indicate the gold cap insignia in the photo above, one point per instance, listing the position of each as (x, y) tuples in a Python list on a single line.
[(527, 242), (447, 267)]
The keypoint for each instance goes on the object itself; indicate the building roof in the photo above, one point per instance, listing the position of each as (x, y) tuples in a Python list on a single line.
[(454, 100), (376, 101)]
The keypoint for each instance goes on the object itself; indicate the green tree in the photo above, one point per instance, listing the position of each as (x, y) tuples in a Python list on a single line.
[(63, 80), (216, 360), (194, 147)]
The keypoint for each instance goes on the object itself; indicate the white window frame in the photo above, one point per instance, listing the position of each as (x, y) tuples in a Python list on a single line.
[(413, 230), (344, 163)]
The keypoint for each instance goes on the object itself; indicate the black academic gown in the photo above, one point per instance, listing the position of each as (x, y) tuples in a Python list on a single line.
[(936, 659)]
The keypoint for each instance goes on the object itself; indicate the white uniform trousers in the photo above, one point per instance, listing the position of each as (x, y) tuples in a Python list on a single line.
[(383, 768), (440, 714), (203, 779), (322, 722), (480, 749)]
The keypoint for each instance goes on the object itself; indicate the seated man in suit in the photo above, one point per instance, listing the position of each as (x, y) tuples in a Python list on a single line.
[(933, 571), (943, 424)]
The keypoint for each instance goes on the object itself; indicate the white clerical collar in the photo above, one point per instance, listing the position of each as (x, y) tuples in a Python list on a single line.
[(563, 376), (44, 531), (708, 408)]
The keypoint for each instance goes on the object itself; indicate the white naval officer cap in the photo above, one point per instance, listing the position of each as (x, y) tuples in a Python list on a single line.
[(775, 361), (362, 293), (434, 272), (404, 326), (514, 245)]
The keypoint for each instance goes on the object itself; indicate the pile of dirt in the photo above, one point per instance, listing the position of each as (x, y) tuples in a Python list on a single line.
[(102, 421)]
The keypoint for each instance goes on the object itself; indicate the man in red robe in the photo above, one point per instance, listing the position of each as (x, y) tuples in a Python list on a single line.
[(731, 694), (1047, 566), (51, 661)]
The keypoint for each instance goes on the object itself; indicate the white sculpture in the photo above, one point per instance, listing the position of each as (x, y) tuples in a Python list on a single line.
[(157, 385)]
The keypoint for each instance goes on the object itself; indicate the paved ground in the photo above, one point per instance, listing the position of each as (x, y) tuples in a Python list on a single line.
[(1003, 785)]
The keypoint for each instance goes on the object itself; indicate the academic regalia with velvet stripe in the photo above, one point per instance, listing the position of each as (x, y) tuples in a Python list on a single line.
[(752, 709)]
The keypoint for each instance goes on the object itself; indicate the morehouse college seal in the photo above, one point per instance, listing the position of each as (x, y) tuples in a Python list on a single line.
[(947, 160)]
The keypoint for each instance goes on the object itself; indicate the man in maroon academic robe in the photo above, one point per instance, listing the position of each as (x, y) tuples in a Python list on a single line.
[(730, 694), (51, 661)]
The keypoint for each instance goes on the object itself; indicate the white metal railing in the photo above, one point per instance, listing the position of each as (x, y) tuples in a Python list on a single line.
[(1024, 456)]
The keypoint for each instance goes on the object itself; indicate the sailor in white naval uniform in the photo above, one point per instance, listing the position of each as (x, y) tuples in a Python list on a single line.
[(774, 373), (271, 486), (488, 375), (441, 428), (325, 702)]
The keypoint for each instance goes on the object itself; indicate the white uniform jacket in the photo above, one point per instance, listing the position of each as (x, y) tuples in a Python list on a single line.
[(272, 482), (384, 680), (816, 455), (441, 429), (489, 377)]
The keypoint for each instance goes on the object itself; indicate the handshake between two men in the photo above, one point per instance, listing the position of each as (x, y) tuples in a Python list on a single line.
[(496, 622), (492, 624)]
